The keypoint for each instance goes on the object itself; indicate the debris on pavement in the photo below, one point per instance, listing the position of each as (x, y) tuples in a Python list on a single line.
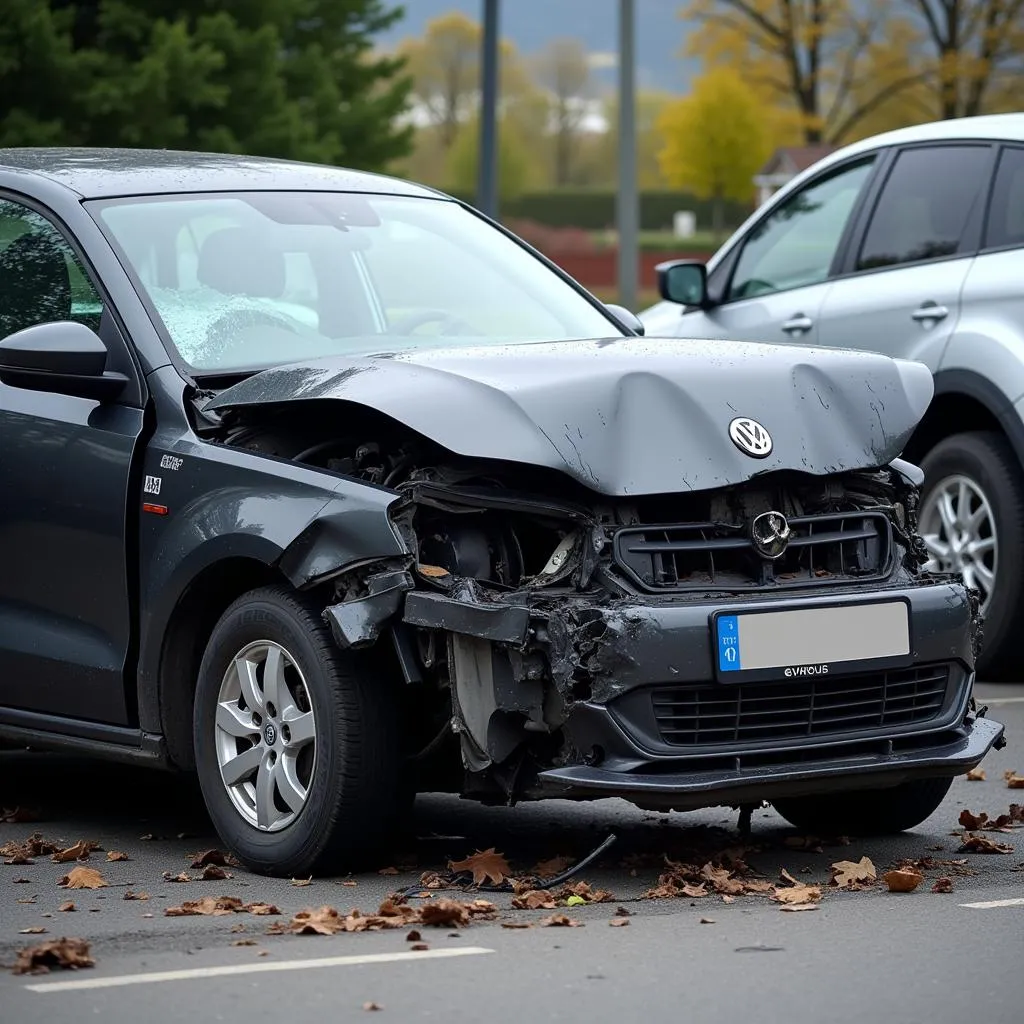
[(68, 954)]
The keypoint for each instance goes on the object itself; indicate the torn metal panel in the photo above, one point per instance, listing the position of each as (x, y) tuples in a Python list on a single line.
[(461, 611), (358, 622)]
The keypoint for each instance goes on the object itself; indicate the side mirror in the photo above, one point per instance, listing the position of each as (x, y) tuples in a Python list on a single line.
[(683, 281), (63, 357), (625, 317)]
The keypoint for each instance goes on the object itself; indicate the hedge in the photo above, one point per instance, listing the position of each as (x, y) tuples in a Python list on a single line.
[(594, 210)]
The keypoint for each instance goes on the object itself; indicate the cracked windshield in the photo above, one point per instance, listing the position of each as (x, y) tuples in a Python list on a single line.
[(258, 279)]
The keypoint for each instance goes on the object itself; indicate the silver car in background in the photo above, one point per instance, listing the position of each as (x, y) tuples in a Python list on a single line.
[(911, 244)]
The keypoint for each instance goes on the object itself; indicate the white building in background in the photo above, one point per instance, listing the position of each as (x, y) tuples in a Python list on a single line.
[(784, 165)]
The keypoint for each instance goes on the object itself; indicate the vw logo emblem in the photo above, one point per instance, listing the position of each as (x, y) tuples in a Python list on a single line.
[(750, 437), (770, 533)]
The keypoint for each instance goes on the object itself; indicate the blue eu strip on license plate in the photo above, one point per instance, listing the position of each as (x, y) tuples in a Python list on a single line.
[(729, 643)]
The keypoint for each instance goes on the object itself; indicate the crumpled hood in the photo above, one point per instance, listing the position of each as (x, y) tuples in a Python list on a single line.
[(628, 416)]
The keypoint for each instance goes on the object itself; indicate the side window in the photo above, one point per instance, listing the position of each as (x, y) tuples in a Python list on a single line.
[(1006, 213), (41, 278), (794, 245), (925, 206)]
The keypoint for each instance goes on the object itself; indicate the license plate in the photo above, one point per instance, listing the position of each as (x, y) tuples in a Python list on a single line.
[(812, 641)]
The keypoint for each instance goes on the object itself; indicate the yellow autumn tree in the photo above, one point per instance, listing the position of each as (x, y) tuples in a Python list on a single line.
[(714, 140), (824, 61)]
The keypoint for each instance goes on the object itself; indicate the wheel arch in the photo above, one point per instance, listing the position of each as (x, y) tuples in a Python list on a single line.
[(965, 401)]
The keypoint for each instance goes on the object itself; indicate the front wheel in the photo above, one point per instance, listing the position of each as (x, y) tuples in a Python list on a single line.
[(972, 522), (866, 812), (297, 742)]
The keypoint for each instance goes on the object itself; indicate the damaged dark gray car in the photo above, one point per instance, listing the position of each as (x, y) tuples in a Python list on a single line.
[(367, 498)]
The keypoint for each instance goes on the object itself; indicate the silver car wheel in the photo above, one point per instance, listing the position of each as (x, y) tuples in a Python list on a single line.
[(959, 531), (265, 736)]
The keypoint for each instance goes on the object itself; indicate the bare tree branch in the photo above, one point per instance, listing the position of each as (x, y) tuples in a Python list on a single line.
[(874, 103)]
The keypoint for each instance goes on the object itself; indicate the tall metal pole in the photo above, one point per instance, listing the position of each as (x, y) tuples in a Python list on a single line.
[(487, 166), (627, 201)]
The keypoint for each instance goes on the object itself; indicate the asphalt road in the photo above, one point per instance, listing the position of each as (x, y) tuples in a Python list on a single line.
[(867, 956)]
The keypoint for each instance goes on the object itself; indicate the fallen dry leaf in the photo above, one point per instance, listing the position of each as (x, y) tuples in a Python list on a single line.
[(976, 775), (67, 908), (982, 844), (944, 884), (619, 922), (214, 873), (902, 881), (419, 947), (707, 920), (372, 1006), (260, 909), (584, 892), (302, 881), (794, 908), (534, 899), (351, 882), (552, 867), (22, 881), (720, 880), (113, 855), (445, 914), (560, 921), (69, 954), (797, 894), (37, 929), (215, 906), (19, 860), (129, 895), (850, 874), (82, 878), (389, 871), (31, 899), (1014, 781), (218, 857), (969, 820), (516, 924), (80, 851), (245, 942), (181, 876), (484, 865)]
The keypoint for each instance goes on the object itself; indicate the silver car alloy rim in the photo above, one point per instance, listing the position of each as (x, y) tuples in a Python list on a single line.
[(959, 531), (265, 735)]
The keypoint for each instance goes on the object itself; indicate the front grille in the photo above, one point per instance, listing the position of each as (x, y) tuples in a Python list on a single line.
[(708, 556), (817, 707)]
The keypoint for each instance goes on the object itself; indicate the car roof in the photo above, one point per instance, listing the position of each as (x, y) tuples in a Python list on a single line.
[(104, 173), (1004, 127)]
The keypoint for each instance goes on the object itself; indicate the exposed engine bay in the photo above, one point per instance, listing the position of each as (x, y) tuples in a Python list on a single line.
[(530, 603)]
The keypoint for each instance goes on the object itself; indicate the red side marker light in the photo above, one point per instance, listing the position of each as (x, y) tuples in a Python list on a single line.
[(157, 510)]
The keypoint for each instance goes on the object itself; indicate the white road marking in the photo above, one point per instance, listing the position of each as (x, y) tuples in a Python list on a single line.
[(992, 904), (255, 968), (1001, 700)]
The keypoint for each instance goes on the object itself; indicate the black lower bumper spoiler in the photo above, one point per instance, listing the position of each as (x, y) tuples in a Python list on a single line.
[(692, 789)]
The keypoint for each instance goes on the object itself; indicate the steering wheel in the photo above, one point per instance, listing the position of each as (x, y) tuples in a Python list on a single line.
[(453, 324)]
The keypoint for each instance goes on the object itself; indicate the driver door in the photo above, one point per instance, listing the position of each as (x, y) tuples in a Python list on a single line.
[(778, 276)]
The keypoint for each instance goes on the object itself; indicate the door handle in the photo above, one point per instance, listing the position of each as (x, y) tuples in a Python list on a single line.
[(798, 324), (929, 311)]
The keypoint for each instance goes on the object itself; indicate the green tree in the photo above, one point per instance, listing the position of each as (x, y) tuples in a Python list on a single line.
[(515, 162), (714, 140), (562, 68), (288, 78)]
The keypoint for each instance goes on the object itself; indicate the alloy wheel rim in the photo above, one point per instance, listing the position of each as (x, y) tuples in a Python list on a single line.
[(265, 736), (959, 530)]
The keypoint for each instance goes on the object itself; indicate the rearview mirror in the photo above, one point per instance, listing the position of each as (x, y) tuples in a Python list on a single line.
[(63, 357), (626, 318), (683, 281)]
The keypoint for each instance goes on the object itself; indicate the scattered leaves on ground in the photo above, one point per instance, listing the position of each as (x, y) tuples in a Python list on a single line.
[(560, 921), (944, 884), (36, 929), (795, 907), (302, 881), (797, 894), (619, 922), (129, 895), (215, 873), (976, 775), (853, 874), (115, 855), (181, 876), (1013, 780), (485, 865), (68, 954), (218, 906), (982, 844), (429, 880), (534, 899), (82, 878), (902, 880), (327, 920), (516, 924), (67, 908), (79, 851), (23, 852)]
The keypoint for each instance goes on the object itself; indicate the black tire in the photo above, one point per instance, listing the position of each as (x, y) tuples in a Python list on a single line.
[(866, 812), (354, 794), (987, 459)]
